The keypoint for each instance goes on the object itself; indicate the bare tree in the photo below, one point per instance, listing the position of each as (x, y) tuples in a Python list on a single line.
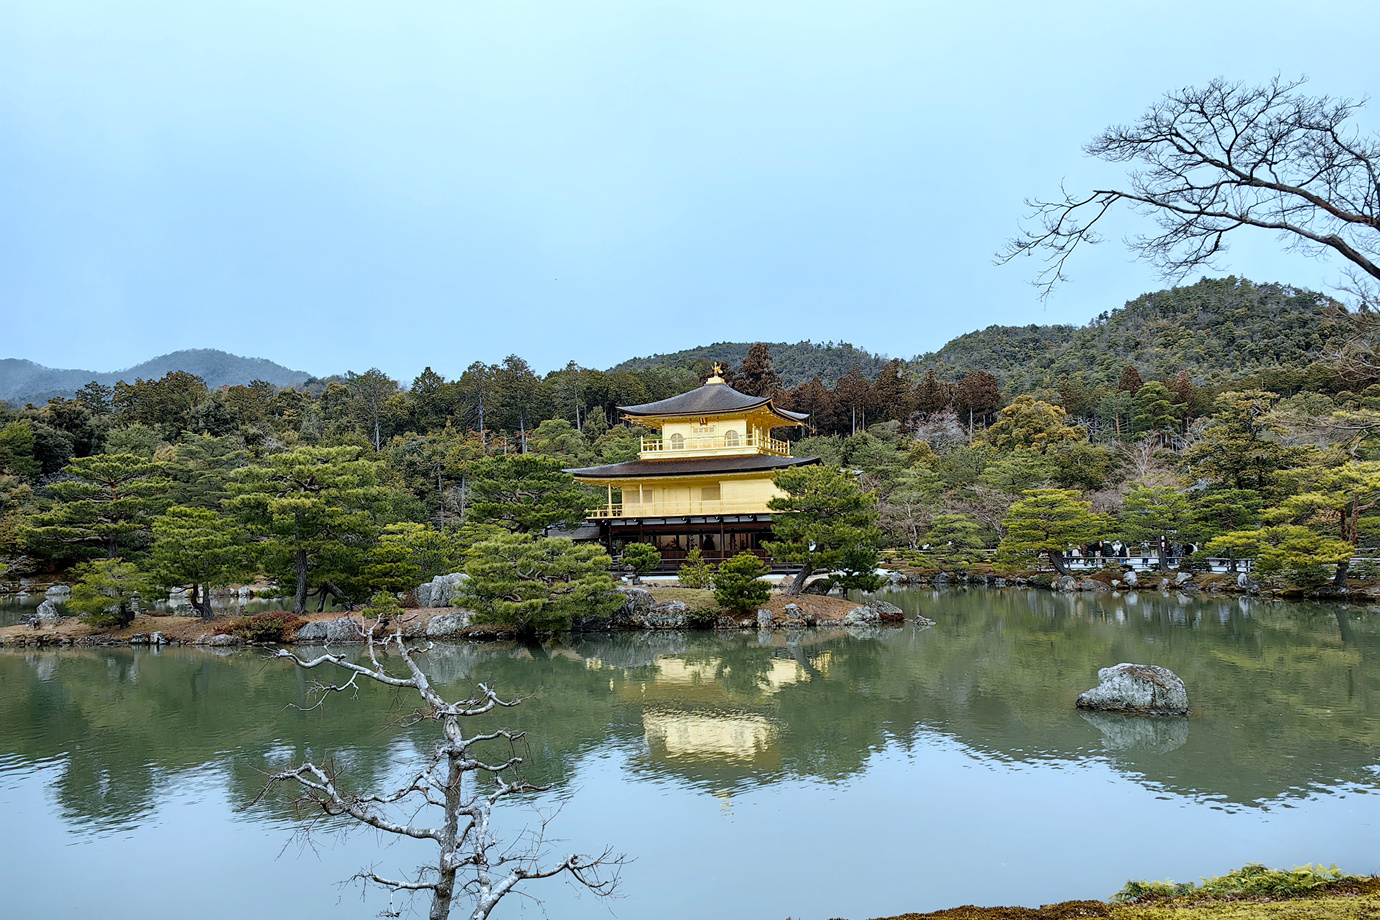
[(455, 780), (370, 391), (1213, 160), (1146, 461)]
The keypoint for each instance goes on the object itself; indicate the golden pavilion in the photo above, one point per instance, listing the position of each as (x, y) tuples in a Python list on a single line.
[(704, 480)]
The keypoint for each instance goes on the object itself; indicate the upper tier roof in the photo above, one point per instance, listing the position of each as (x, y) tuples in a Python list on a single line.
[(711, 399), (700, 466)]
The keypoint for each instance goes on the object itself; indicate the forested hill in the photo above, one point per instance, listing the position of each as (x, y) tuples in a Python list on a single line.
[(795, 363), (1217, 330), (24, 381)]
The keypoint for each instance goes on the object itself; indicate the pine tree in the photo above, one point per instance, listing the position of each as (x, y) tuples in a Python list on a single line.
[(1044, 523), (197, 549), (737, 584), (314, 512), (823, 517), (537, 585)]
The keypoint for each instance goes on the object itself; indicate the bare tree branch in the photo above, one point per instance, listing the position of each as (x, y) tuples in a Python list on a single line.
[(455, 779), (1213, 160)]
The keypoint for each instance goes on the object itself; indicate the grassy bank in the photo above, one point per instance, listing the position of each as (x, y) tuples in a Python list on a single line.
[(1250, 893)]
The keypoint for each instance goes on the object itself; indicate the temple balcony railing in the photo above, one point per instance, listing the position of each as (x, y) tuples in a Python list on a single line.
[(677, 508), (708, 446)]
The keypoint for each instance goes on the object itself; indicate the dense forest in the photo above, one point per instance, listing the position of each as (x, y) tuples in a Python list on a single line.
[(1217, 331), (1237, 417), (794, 364)]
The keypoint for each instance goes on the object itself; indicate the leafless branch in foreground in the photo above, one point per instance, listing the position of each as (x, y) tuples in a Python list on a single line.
[(456, 783), (1210, 161)]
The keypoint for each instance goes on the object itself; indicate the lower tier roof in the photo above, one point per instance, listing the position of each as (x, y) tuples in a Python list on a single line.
[(702, 466)]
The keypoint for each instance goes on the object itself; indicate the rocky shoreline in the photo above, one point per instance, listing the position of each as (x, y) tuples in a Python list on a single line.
[(1187, 583), (643, 610)]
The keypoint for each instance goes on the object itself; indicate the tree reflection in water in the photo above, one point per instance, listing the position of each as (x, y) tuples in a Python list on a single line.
[(1283, 695)]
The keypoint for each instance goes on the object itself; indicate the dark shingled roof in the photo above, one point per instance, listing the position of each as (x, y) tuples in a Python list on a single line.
[(749, 463), (709, 399)]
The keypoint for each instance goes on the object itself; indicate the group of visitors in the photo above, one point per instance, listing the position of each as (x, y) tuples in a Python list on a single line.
[(1123, 552)]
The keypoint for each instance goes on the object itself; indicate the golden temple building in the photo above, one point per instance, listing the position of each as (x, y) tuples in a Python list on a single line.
[(703, 481)]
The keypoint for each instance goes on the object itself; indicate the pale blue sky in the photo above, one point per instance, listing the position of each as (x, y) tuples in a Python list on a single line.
[(335, 185)]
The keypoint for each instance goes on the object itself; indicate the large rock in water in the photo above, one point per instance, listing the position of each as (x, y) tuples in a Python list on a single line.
[(887, 612), (862, 616), (1143, 689)]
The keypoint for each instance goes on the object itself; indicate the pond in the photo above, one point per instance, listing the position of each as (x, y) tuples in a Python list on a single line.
[(815, 775)]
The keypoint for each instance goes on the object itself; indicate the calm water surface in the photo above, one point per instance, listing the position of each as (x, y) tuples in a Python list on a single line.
[(813, 776)]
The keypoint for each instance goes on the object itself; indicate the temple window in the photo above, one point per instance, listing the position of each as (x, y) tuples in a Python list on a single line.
[(677, 441), (731, 438)]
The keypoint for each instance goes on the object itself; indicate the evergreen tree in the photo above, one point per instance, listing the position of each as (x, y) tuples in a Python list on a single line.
[(1300, 555), (975, 397), (369, 393), (1153, 514), (1155, 411), (556, 437), (17, 452), (1045, 523), (643, 557), (816, 400), (953, 541), (853, 393), (408, 553), (1131, 381), (526, 494), (1031, 424), (756, 377), (694, 572), (1240, 449), (1220, 511), (737, 585), (891, 394), (931, 395), (106, 504), (107, 592), (537, 585), (196, 549), (165, 403), (1337, 499), (1185, 395), (314, 512), (823, 517)]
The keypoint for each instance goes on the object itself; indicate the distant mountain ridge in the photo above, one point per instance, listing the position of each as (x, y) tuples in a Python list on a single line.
[(24, 381), (1216, 330)]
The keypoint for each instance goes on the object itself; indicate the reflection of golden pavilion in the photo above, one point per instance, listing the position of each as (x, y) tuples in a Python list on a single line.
[(737, 736), (704, 480), (711, 732)]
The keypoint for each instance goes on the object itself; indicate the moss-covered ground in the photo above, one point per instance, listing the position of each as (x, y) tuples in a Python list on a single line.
[(1250, 893)]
